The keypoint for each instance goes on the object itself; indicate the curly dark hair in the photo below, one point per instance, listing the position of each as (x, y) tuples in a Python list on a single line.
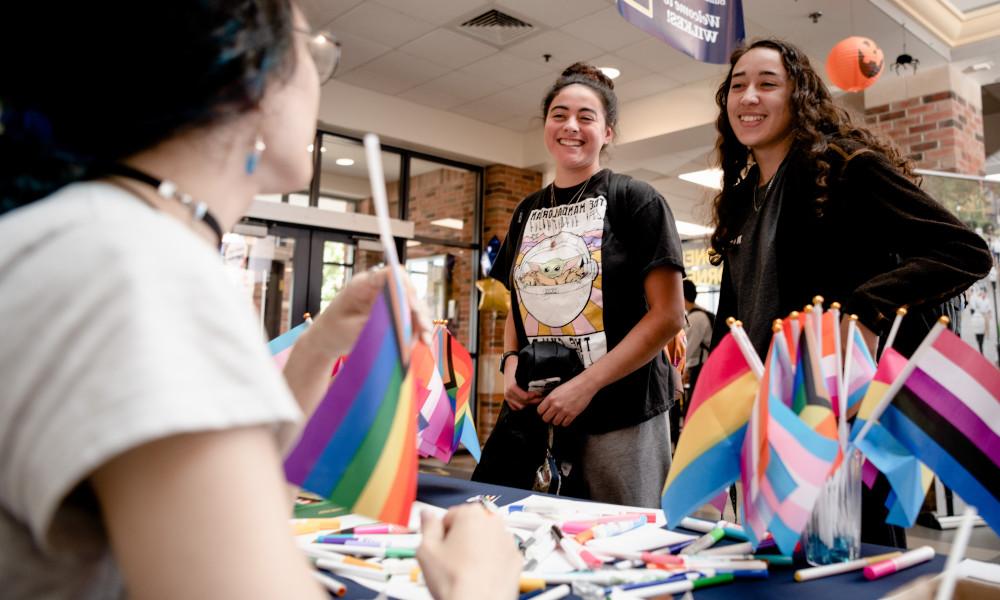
[(593, 78), (96, 83), (816, 122)]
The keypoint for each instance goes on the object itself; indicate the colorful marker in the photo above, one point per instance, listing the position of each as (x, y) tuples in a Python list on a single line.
[(610, 529), (382, 528), (904, 561), (679, 587), (844, 567), (578, 556), (704, 542), (303, 526)]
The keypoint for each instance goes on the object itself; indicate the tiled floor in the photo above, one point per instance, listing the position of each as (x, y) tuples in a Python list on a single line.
[(984, 544)]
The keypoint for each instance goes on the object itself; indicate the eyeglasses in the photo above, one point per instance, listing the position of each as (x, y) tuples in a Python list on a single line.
[(325, 51)]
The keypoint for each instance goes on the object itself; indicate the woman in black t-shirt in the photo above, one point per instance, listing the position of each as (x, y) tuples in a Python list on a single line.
[(594, 263)]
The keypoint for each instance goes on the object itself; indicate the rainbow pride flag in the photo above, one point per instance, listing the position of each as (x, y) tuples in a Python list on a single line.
[(455, 367), (281, 346), (707, 459), (358, 449), (436, 423)]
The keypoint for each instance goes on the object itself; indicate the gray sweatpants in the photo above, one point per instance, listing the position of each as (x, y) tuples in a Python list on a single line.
[(628, 466)]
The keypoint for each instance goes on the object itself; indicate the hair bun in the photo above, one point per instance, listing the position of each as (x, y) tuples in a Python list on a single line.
[(590, 72)]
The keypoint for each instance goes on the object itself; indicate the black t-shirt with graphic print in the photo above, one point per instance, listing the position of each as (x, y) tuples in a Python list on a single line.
[(575, 261)]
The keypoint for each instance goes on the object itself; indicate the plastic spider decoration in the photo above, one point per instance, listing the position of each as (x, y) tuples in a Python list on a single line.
[(905, 61)]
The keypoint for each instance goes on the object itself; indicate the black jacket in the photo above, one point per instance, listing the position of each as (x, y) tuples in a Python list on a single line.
[(880, 243)]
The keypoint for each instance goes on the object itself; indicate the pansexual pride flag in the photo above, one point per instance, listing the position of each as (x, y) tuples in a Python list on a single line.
[(707, 459), (436, 425), (358, 449), (947, 413), (455, 366), (281, 346)]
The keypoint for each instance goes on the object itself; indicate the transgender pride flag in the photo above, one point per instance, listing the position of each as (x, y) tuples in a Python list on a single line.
[(281, 346), (436, 426), (455, 366)]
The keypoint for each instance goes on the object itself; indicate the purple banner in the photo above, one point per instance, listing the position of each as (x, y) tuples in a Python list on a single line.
[(706, 30)]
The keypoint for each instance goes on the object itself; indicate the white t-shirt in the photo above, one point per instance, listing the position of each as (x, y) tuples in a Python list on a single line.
[(121, 327)]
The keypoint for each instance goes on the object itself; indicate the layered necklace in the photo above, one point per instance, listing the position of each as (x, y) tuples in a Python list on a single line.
[(576, 197)]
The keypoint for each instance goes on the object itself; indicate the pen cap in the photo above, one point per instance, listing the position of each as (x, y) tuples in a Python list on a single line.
[(880, 569)]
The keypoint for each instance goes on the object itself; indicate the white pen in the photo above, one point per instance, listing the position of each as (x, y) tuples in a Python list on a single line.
[(336, 587)]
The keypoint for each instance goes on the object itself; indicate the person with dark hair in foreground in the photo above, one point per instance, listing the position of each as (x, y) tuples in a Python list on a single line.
[(142, 422)]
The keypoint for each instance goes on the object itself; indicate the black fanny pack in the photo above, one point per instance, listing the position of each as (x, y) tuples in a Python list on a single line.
[(541, 366)]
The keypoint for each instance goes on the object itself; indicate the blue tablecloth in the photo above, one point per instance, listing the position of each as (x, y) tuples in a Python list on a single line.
[(447, 491)]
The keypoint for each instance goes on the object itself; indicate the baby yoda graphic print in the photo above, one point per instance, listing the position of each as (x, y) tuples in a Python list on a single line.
[(557, 276)]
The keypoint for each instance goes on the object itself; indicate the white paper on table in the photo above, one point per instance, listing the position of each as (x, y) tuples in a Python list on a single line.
[(643, 538), (979, 570), (579, 510)]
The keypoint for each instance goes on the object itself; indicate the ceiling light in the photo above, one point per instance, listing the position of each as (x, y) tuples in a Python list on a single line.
[(692, 229), (449, 223), (710, 178), (412, 243), (993, 177), (982, 66), (345, 162), (611, 72), (309, 148), (322, 148)]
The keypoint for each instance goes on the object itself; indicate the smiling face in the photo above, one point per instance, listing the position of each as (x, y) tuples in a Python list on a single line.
[(575, 132), (758, 101)]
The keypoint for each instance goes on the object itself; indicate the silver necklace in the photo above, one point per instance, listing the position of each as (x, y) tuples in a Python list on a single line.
[(758, 201), (576, 196)]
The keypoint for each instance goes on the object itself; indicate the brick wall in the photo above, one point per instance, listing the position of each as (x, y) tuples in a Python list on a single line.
[(439, 194), (505, 187), (940, 131)]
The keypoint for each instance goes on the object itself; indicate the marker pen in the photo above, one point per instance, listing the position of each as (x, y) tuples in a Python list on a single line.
[(377, 529), (704, 542), (574, 527), (679, 587), (905, 561), (346, 569), (578, 556), (771, 559), (732, 530), (613, 528), (303, 526), (337, 588), (379, 551), (699, 525), (844, 567), (315, 552)]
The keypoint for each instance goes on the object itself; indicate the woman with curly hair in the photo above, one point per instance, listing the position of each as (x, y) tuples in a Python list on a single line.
[(813, 204)]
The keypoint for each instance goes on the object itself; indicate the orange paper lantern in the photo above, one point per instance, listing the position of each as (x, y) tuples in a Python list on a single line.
[(854, 63)]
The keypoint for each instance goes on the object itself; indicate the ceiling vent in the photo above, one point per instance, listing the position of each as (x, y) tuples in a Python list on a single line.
[(496, 27)]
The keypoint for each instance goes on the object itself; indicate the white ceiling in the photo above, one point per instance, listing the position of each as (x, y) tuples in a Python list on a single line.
[(412, 49)]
